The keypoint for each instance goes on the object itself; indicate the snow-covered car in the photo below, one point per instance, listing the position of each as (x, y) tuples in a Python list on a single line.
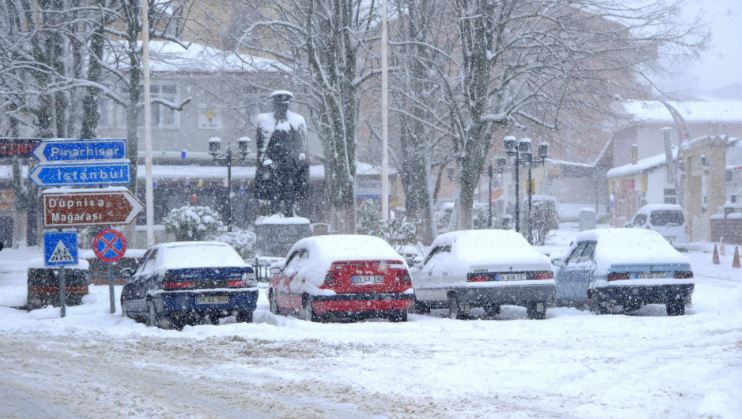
[(613, 267), (353, 276), (483, 268), (184, 282), (666, 219)]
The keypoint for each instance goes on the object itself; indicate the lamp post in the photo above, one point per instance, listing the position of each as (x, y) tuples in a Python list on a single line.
[(520, 151), (226, 159)]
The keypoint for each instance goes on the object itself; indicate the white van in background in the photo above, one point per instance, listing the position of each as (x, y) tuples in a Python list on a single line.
[(666, 219)]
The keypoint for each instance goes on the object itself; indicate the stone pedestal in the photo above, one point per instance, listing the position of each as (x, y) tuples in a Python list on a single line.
[(274, 235)]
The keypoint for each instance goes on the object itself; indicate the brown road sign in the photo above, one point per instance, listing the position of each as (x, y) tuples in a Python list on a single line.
[(18, 147), (85, 207)]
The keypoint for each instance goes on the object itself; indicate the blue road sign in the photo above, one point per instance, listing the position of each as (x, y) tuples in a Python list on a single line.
[(102, 173), (60, 248), (70, 150)]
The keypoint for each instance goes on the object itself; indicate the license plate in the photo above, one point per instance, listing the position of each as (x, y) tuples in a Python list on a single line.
[(212, 299), (512, 277), (652, 275), (368, 279)]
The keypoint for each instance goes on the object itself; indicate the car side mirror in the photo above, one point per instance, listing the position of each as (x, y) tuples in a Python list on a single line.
[(628, 225), (417, 262), (127, 272), (557, 262)]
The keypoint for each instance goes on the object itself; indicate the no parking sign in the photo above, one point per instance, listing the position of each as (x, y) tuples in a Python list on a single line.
[(109, 245)]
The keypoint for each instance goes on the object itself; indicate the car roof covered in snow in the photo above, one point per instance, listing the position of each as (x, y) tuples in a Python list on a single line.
[(622, 246), (341, 247), (660, 207), (490, 246), (197, 254)]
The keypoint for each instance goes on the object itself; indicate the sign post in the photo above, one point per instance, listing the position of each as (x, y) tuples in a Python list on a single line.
[(60, 249), (109, 246)]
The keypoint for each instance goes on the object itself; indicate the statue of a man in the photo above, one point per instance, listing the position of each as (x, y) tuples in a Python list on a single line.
[(282, 175)]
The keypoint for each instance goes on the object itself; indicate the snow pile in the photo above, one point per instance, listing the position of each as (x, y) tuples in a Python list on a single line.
[(620, 246), (38, 263), (692, 111), (280, 219), (192, 222)]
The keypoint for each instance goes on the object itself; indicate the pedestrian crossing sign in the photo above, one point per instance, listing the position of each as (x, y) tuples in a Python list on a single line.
[(60, 248)]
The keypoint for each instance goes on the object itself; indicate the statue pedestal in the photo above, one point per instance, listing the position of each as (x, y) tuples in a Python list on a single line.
[(275, 234)]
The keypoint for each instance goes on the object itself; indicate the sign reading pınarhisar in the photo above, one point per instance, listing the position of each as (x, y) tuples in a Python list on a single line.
[(90, 207), (81, 150)]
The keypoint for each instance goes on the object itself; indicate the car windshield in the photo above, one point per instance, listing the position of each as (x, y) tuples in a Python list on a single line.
[(666, 218)]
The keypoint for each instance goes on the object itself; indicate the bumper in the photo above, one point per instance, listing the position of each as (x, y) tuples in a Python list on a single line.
[(177, 302), (515, 295), (646, 294), (372, 303)]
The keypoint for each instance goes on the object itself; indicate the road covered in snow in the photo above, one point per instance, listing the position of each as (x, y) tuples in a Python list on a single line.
[(573, 364)]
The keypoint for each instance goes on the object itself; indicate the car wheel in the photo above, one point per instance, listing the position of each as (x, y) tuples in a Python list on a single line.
[(596, 306), (152, 319), (244, 317), (398, 316), (455, 312), (309, 314), (675, 308), (420, 307), (272, 302), (536, 310), (491, 310)]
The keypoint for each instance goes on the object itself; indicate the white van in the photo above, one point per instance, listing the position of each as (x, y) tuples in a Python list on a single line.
[(666, 219)]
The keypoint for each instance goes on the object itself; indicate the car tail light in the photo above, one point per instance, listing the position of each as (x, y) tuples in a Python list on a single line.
[(543, 275), (403, 278), (617, 276), (477, 278), (236, 283), (178, 285), (683, 274)]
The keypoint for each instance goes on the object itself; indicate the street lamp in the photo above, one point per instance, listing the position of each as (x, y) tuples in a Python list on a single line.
[(215, 144), (520, 152)]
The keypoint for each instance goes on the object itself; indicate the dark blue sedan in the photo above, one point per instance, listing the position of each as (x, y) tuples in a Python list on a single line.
[(182, 283)]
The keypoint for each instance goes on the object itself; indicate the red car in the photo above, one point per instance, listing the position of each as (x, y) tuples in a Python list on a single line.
[(351, 276)]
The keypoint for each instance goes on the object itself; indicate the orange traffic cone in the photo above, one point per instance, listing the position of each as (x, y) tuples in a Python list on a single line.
[(735, 260), (715, 259), (722, 248)]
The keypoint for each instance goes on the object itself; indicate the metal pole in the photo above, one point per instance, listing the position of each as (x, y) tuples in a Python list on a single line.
[(229, 189), (530, 213), (62, 296), (517, 192), (110, 289), (148, 196), (384, 117), (489, 197)]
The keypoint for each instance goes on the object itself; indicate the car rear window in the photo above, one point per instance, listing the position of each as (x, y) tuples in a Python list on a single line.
[(663, 218)]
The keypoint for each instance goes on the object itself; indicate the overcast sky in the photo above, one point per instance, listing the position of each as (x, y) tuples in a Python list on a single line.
[(721, 64)]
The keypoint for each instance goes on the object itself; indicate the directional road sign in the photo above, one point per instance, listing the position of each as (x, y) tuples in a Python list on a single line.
[(17, 147), (60, 248), (90, 207), (70, 150), (101, 173), (109, 245)]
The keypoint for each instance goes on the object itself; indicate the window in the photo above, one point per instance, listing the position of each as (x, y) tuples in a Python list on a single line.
[(667, 218), (576, 253), (640, 220), (670, 196), (163, 116), (149, 263), (587, 252)]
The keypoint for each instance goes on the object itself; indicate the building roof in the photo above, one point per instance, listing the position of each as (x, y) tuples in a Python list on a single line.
[(168, 56), (642, 165), (692, 111)]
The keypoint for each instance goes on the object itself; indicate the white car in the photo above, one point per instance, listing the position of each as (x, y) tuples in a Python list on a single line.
[(483, 268), (666, 219)]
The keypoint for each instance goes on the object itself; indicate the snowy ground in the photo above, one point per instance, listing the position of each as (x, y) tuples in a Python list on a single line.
[(573, 364)]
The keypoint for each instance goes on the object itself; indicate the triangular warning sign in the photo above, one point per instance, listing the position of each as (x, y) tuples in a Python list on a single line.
[(61, 254)]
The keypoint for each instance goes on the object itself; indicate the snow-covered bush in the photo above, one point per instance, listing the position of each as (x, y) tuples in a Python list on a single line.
[(396, 230), (243, 242), (192, 222)]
